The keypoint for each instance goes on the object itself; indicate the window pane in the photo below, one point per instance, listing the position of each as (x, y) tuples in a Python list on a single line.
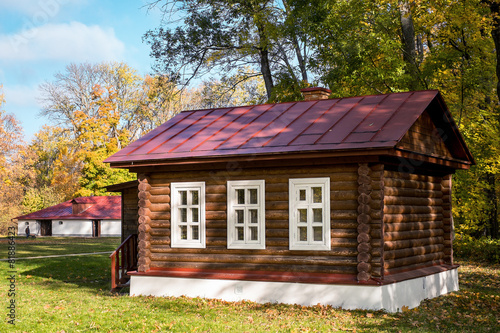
[(194, 197), (183, 197), (253, 216), (240, 194), (317, 215), (195, 232), (253, 196), (302, 215), (253, 234), (303, 234), (240, 215), (183, 214), (184, 234), (194, 215), (239, 233), (317, 194), (302, 195), (318, 234)]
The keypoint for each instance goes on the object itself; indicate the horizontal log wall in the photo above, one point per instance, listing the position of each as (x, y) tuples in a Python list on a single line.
[(130, 211), (414, 230), (276, 256)]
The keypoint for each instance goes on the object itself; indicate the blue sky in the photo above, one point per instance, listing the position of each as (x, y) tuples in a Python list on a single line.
[(39, 38)]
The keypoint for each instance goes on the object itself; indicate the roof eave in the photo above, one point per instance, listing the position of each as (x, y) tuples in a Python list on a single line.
[(365, 152), (251, 157)]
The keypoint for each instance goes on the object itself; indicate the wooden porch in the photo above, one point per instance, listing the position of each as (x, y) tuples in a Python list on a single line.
[(123, 260)]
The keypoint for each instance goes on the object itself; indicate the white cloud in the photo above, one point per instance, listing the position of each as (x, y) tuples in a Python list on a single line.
[(35, 8), (75, 42)]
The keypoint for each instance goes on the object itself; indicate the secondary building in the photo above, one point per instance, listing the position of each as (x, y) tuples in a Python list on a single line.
[(96, 216)]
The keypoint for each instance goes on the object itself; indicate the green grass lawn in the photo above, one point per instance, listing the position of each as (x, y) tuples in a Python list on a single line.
[(71, 294), (43, 246)]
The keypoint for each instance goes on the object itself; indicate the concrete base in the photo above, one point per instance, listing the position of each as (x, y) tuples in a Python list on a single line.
[(390, 297)]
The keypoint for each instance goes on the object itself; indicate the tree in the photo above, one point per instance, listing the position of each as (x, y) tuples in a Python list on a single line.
[(233, 91), (160, 100), (39, 198), (366, 47), (15, 174), (225, 35), (100, 136), (95, 107), (98, 109), (57, 163)]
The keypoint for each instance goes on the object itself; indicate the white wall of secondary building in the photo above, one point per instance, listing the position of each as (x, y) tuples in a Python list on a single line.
[(390, 297), (78, 228), (34, 227), (73, 228), (111, 228)]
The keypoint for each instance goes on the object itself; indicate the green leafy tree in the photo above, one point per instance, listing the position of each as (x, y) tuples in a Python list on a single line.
[(224, 35), (369, 47), (39, 198)]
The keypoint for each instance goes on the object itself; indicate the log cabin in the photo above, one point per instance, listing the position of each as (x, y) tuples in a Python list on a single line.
[(341, 201)]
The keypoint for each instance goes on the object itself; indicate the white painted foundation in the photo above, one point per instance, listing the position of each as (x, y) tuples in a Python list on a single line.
[(390, 297)]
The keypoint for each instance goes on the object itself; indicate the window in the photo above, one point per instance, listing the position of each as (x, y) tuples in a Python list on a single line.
[(310, 214), (188, 215), (246, 214)]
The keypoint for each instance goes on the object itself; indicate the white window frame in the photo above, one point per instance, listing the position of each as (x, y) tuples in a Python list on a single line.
[(233, 206), (295, 185), (175, 215)]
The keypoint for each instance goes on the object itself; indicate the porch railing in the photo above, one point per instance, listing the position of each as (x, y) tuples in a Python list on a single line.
[(123, 259)]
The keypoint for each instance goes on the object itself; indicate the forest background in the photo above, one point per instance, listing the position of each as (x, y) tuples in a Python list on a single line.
[(211, 53)]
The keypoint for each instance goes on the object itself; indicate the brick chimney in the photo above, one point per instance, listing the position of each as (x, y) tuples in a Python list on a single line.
[(79, 207), (315, 93)]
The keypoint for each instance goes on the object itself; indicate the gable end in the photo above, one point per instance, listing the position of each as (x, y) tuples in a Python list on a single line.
[(423, 137)]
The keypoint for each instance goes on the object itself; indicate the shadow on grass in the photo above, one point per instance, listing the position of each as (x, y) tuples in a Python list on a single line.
[(90, 272), (480, 277)]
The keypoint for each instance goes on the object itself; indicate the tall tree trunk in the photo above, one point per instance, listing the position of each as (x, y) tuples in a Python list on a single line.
[(265, 67), (495, 34), (300, 58), (296, 45), (408, 40), (492, 192), (493, 200)]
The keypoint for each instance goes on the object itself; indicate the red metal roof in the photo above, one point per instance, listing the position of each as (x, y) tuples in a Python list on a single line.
[(101, 208), (367, 122)]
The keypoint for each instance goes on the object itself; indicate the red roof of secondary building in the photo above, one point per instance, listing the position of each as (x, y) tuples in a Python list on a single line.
[(354, 123), (99, 208)]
